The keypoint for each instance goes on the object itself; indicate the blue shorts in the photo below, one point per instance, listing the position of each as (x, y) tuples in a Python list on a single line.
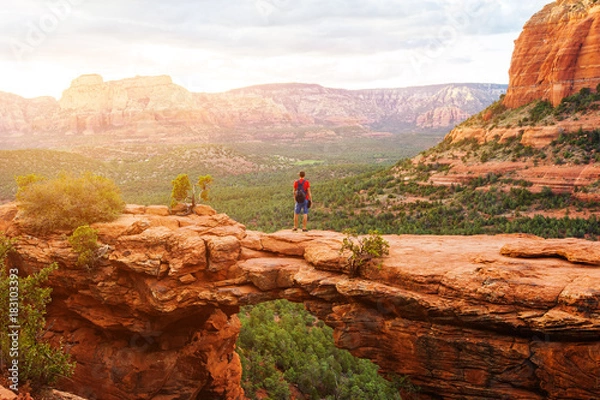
[(301, 208)]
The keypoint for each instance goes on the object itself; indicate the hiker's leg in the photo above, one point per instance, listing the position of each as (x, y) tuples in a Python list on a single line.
[(305, 216), (297, 211)]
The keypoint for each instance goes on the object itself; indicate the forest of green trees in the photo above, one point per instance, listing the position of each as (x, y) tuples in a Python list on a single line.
[(374, 201), (284, 348)]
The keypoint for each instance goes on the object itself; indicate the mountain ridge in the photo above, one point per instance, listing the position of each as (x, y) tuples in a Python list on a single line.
[(149, 108)]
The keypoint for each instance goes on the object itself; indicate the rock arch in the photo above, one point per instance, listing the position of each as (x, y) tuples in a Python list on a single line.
[(466, 317)]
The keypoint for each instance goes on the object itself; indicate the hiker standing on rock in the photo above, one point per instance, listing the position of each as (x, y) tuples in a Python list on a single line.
[(303, 200)]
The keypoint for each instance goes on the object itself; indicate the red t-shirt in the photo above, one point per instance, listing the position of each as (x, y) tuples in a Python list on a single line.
[(305, 184)]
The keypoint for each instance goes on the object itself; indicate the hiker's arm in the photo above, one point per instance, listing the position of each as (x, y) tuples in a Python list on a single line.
[(309, 194)]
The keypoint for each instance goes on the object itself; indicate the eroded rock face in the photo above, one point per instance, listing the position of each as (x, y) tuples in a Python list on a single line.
[(535, 136), (506, 317), (556, 54), (559, 178)]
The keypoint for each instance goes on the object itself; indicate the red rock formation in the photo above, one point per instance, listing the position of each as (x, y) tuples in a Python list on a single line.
[(535, 136), (556, 54), (441, 117), (559, 178), (26, 117), (462, 316)]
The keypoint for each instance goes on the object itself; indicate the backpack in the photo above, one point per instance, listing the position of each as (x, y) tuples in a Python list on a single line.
[(300, 193)]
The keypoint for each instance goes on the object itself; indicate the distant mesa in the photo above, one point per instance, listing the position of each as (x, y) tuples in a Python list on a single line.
[(154, 109), (95, 79), (87, 80), (90, 92)]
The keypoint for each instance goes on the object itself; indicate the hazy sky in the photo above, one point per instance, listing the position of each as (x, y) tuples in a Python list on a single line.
[(216, 45)]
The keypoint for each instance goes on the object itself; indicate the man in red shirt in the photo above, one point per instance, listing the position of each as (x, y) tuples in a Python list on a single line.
[(302, 196)]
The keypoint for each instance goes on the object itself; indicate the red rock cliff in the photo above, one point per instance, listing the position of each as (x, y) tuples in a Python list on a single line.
[(505, 317), (557, 53)]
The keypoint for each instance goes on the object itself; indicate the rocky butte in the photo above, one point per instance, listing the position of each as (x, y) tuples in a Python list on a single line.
[(502, 317), (556, 54)]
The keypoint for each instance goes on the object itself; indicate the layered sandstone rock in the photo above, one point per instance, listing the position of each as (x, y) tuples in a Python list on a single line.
[(91, 93), (556, 54), (559, 178), (136, 105), (464, 317), (538, 136), (441, 117)]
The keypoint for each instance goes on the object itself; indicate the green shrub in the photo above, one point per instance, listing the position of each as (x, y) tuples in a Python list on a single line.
[(67, 202), (579, 102), (23, 303), (363, 249), (85, 243), (540, 111)]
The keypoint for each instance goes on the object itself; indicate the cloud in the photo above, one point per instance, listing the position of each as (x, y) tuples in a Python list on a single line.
[(217, 45)]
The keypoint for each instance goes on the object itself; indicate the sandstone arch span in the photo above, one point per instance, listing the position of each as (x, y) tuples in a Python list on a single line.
[(504, 317)]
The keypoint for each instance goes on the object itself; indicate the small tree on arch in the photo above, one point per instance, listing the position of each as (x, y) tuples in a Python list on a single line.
[(183, 190), (363, 250), (204, 184)]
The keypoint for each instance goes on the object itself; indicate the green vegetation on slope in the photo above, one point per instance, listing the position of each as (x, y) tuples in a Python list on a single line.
[(539, 112), (144, 172), (402, 200), (23, 303), (48, 163), (283, 347), (365, 196)]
